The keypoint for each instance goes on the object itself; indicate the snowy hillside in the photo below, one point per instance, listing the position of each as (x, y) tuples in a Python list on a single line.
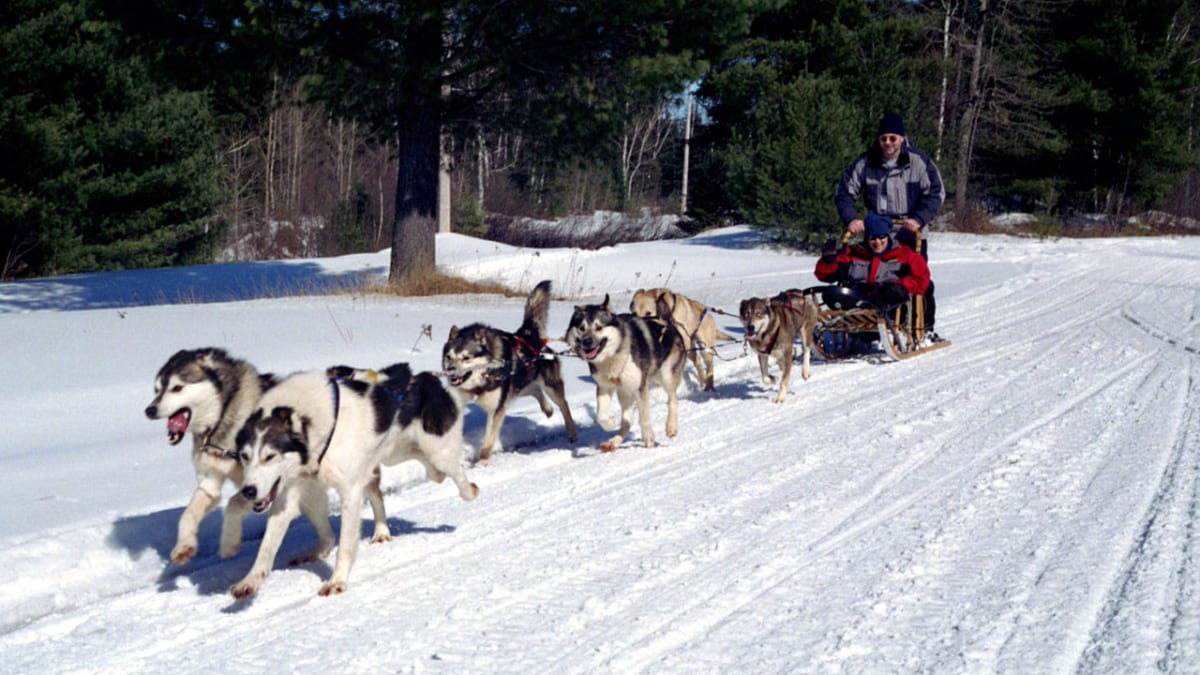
[(1024, 501)]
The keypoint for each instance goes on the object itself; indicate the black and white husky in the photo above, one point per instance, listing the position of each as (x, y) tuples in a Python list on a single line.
[(312, 432), (625, 353), (210, 394), (494, 367)]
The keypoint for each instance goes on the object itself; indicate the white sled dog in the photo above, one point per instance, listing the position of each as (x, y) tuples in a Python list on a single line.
[(211, 394), (312, 432), (625, 353)]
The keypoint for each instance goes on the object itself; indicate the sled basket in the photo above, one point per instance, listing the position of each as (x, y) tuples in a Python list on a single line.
[(848, 323)]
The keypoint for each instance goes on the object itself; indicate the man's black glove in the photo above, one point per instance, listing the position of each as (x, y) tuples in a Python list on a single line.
[(829, 250)]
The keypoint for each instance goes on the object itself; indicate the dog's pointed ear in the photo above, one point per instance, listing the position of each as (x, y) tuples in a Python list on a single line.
[(453, 332), (604, 304)]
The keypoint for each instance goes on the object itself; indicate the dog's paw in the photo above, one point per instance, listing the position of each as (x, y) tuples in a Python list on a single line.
[(470, 493), (381, 538), (768, 379), (244, 589), (183, 552), (779, 399), (332, 588), (672, 430), (611, 444)]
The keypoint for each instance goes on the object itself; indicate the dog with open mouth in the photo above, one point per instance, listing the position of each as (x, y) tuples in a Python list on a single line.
[(210, 394), (312, 432), (493, 367), (625, 355)]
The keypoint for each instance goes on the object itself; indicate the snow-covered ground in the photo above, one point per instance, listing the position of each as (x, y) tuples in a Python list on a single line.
[(1024, 501)]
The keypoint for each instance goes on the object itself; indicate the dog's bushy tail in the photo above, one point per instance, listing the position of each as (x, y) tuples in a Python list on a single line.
[(537, 309)]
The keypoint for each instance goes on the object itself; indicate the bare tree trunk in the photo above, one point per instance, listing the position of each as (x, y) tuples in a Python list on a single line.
[(966, 134), (381, 220), (941, 123), (296, 168), (241, 181), (269, 152), (351, 147), (481, 165), (640, 145), (344, 136)]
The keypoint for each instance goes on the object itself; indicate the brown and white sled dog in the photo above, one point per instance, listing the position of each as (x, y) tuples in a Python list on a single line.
[(493, 367), (312, 432), (695, 324), (625, 354), (772, 327), (211, 394)]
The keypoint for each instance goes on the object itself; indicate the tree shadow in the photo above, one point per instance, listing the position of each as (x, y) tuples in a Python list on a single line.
[(199, 284), (733, 239)]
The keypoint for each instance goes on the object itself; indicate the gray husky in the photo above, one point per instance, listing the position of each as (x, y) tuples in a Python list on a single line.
[(625, 353), (210, 394), (312, 432), (494, 367)]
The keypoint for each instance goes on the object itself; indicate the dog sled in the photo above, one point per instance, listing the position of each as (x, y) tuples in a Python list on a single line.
[(848, 323)]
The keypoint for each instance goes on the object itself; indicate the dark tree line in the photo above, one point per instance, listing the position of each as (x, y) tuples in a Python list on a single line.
[(162, 132)]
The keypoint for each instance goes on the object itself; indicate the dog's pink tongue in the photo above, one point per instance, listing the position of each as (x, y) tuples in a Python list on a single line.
[(178, 423)]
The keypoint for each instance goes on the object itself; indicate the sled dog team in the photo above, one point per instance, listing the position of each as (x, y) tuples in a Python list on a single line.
[(283, 442)]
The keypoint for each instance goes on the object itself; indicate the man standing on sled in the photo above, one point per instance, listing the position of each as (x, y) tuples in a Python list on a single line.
[(900, 183)]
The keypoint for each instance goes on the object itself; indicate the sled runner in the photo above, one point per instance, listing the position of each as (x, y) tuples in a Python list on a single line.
[(849, 323)]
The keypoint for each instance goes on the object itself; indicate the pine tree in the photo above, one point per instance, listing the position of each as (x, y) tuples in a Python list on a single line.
[(795, 102), (107, 170), (1131, 73)]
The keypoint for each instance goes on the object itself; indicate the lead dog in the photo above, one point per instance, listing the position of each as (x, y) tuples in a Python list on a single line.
[(772, 327), (625, 353), (494, 367), (211, 394), (312, 432), (695, 324)]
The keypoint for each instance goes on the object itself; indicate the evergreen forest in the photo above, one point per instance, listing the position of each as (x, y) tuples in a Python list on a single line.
[(151, 133)]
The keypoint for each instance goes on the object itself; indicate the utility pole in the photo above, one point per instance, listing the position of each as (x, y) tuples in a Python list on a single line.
[(687, 142), (443, 188)]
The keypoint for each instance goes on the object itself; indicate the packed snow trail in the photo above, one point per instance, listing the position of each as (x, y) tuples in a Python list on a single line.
[(1025, 501)]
